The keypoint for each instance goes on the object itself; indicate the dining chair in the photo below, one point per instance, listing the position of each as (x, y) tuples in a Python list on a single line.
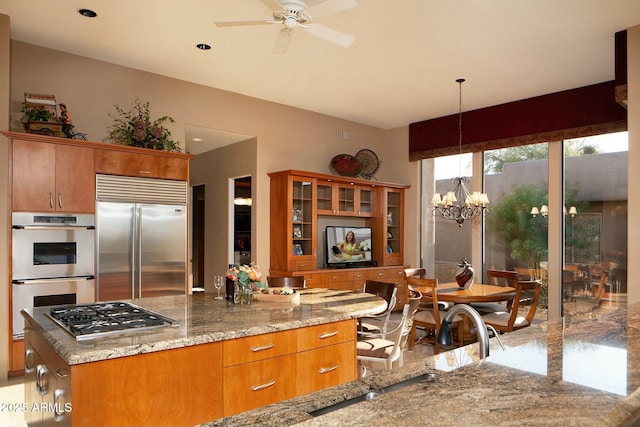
[(415, 297), (497, 278), (384, 350), (421, 273), (511, 320), (290, 281), (429, 319), (378, 323)]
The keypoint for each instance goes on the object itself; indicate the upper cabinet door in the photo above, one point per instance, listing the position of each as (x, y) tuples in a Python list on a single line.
[(52, 178), (345, 200), (33, 180)]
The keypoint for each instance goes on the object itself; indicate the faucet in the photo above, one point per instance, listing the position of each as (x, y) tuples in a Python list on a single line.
[(444, 335)]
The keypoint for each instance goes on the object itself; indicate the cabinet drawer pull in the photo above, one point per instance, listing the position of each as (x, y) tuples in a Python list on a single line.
[(42, 383), (145, 172), (29, 356), (325, 370), (328, 335), (51, 205), (59, 410), (302, 265), (262, 386), (262, 347), (59, 200)]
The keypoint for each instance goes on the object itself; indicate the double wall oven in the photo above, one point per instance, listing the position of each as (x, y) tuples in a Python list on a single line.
[(53, 261)]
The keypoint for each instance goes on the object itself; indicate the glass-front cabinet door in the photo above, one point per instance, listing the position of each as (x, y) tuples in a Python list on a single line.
[(302, 229), (394, 226), (366, 201)]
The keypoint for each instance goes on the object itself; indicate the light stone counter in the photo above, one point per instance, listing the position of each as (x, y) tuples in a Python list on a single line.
[(203, 319), (571, 372)]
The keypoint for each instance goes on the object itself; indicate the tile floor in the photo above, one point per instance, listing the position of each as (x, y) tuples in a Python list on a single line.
[(11, 398)]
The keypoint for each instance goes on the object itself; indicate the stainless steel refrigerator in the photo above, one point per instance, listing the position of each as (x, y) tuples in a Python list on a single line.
[(141, 235)]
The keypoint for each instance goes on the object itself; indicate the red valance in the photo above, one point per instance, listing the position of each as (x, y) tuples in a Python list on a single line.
[(574, 113)]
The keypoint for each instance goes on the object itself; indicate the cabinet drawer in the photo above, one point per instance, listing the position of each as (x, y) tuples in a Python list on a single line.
[(302, 265), (258, 347), (256, 384), (393, 259), (334, 277), (326, 367), (327, 334), (143, 165)]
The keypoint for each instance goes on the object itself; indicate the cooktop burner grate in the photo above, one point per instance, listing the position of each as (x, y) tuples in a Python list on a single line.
[(85, 321)]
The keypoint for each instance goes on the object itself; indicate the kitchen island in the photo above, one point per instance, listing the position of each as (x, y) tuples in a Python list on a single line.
[(576, 371), (220, 359)]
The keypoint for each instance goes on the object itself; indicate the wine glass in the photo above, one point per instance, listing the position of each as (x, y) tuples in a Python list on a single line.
[(218, 281)]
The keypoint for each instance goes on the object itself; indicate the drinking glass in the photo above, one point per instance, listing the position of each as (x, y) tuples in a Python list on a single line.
[(218, 282)]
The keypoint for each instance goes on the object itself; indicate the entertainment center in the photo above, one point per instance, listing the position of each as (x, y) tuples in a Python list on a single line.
[(310, 217)]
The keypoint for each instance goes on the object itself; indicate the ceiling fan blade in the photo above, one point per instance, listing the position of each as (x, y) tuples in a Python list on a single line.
[(330, 34), (272, 4), (242, 23), (282, 42), (329, 6)]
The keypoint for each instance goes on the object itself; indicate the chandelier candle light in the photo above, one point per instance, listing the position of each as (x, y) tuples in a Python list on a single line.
[(449, 206)]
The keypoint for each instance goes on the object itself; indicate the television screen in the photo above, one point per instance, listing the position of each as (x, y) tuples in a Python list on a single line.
[(348, 245)]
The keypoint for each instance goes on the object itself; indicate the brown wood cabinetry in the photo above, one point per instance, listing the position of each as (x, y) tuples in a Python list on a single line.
[(189, 385), (267, 368), (52, 177), (156, 165), (299, 199)]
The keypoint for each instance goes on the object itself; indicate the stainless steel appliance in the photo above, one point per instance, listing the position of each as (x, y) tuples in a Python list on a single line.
[(141, 228), (84, 321), (53, 261)]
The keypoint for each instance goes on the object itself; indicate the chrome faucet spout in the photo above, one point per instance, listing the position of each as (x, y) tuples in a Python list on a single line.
[(444, 335)]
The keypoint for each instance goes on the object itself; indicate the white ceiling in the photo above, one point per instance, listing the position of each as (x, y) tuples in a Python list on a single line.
[(400, 69)]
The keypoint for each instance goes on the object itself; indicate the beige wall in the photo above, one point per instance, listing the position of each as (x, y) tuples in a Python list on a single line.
[(4, 179), (285, 137)]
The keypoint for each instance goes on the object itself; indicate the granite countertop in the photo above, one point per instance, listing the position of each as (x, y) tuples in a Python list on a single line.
[(574, 371), (203, 319)]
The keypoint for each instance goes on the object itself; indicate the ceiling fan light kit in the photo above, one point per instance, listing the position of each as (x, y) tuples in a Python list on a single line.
[(295, 13)]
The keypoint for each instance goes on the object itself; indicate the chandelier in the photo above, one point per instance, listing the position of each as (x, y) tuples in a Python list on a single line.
[(459, 204)]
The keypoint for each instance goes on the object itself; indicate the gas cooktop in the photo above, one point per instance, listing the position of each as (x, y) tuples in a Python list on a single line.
[(84, 321)]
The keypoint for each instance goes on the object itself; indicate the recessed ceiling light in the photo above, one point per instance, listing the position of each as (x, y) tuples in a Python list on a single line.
[(196, 139), (203, 46), (88, 13)]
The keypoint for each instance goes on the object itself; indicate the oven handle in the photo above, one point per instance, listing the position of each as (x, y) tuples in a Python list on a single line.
[(54, 227), (52, 280)]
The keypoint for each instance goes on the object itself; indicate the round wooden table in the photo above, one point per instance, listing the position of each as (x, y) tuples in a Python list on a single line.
[(451, 292)]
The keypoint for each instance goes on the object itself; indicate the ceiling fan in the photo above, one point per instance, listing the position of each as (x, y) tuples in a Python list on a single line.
[(295, 13)]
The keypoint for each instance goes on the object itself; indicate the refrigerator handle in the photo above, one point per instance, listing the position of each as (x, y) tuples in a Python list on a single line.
[(138, 268), (132, 250)]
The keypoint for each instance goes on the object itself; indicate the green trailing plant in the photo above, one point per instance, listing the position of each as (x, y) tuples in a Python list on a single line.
[(136, 129)]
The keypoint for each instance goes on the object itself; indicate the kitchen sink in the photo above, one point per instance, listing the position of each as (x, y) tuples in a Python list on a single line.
[(373, 394)]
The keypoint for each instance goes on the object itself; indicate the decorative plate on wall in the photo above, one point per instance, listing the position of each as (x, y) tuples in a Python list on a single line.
[(345, 165), (369, 161)]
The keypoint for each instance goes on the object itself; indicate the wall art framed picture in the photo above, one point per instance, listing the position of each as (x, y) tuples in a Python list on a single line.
[(297, 249)]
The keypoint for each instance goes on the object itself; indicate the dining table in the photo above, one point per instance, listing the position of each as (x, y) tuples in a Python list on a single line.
[(476, 293)]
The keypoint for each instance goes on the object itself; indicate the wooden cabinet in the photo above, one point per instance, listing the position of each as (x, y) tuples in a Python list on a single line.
[(52, 177), (345, 199), (300, 199), (135, 163), (393, 226), (47, 385), (293, 222)]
